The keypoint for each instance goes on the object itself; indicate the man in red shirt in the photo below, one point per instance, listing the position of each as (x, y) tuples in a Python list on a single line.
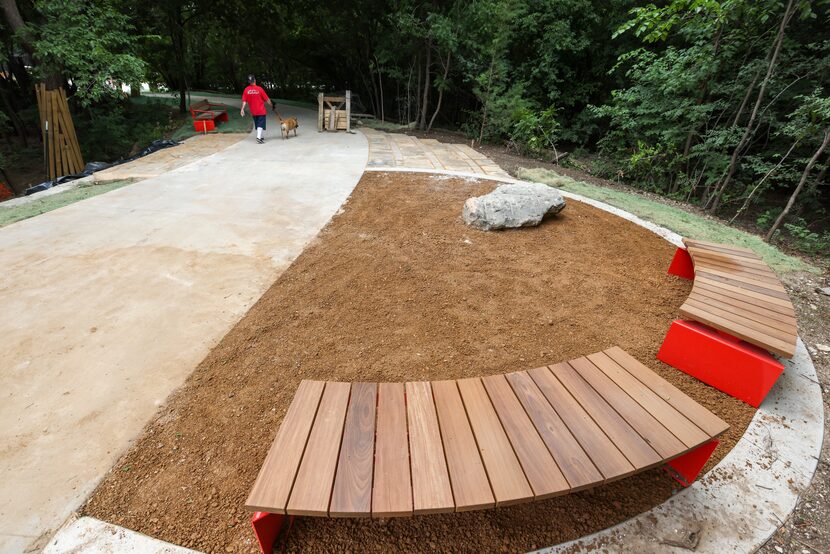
[(255, 97)]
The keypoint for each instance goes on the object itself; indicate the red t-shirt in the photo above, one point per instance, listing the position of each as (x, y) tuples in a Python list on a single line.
[(256, 99)]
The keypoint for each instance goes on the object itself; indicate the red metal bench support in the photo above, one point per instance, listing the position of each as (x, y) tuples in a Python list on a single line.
[(688, 466), (720, 360), (267, 527), (681, 264)]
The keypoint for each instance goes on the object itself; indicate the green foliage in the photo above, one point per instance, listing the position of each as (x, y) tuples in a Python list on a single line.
[(536, 132), (806, 240), (118, 128), (89, 43)]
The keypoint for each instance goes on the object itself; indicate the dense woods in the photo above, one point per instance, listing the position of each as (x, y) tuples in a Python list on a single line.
[(722, 104)]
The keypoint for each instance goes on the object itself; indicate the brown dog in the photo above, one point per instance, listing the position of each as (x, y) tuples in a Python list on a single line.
[(286, 125)]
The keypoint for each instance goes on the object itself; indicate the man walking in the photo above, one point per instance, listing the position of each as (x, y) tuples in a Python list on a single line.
[(255, 97)]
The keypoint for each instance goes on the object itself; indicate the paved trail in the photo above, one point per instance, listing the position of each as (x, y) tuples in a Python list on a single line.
[(108, 304)]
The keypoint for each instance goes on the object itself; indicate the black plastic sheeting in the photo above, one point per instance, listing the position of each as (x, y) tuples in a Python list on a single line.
[(92, 167)]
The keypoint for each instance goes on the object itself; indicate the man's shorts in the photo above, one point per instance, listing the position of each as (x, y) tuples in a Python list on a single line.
[(259, 122)]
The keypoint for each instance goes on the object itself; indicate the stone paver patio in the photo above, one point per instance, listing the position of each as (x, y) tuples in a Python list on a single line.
[(394, 150)]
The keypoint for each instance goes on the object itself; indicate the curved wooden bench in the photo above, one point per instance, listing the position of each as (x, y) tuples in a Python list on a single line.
[(739, 297), (399, 449)]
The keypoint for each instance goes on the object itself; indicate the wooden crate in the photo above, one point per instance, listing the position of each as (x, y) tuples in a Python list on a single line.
[(340, 119), (342, 106)]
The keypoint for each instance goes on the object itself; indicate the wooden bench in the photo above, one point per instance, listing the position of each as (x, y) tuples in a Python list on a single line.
[(400, 449), (739, 312), (205, 114)]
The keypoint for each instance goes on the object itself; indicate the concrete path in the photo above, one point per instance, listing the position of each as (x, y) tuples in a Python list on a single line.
[(162, 161), (108, 304)]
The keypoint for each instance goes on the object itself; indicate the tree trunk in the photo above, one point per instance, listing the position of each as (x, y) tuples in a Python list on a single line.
[(486, 100), (440, 92), (19, 127), (422, 122), (380, 88), (800, 186), (16, 23), (409, 95), (176, 27), (750, 126), (741, 108), (761, 182), (823, 173)]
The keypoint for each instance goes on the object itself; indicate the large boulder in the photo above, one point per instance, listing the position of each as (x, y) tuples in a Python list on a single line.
[(519, 205)]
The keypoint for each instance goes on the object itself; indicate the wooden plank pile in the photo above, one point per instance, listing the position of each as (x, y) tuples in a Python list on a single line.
[(61, 151)]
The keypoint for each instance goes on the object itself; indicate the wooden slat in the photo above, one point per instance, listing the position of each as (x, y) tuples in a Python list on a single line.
[(744, 261), (571, 459), (650, 429), (507, 479), (312, 488), (748, 284), (731, 296), (697, 414), (470, 486), (431, 490), (736, 250), (680, 426), (276, 476), (761, 274), (763, 322), (603, 453), (746, 304), (751, 267), (539, 467), (722, 284), (352, 493), (753, 336), (743, 280), (638, 451), (392, 493), (71, 134)]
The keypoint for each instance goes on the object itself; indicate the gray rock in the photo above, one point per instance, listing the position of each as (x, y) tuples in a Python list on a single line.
[(823, 290), (509, 206)]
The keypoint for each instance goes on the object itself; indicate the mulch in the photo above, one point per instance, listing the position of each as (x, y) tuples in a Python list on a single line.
[(397, 288)]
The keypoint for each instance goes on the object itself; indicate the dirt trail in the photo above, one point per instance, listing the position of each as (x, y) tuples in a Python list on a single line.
[(397, 288)]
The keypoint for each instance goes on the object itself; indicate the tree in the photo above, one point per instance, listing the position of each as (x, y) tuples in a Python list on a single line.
[(810, 120)]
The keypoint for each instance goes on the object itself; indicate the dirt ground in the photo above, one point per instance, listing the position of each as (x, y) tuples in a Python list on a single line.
[(397, 288)]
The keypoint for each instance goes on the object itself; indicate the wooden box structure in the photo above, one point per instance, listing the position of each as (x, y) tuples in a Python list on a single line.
[(334, 113), (61, 151)]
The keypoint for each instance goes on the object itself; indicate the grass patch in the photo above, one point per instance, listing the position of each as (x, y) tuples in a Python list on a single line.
[(384, 125), (13, 214), (678, 220), (235, 124)]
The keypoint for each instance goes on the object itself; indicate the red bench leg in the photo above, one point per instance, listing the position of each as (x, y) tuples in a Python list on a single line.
[(687, 466), (681, 265), (737, 368), (267, 527)]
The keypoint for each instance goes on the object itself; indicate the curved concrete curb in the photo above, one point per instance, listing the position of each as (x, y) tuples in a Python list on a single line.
[(735, 507)]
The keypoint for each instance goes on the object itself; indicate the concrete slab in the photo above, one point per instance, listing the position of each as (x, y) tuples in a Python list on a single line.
[(89, 535), (168, 159), (108, 304)]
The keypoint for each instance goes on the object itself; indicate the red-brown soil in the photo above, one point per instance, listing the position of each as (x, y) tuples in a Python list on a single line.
[(397, 288)]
